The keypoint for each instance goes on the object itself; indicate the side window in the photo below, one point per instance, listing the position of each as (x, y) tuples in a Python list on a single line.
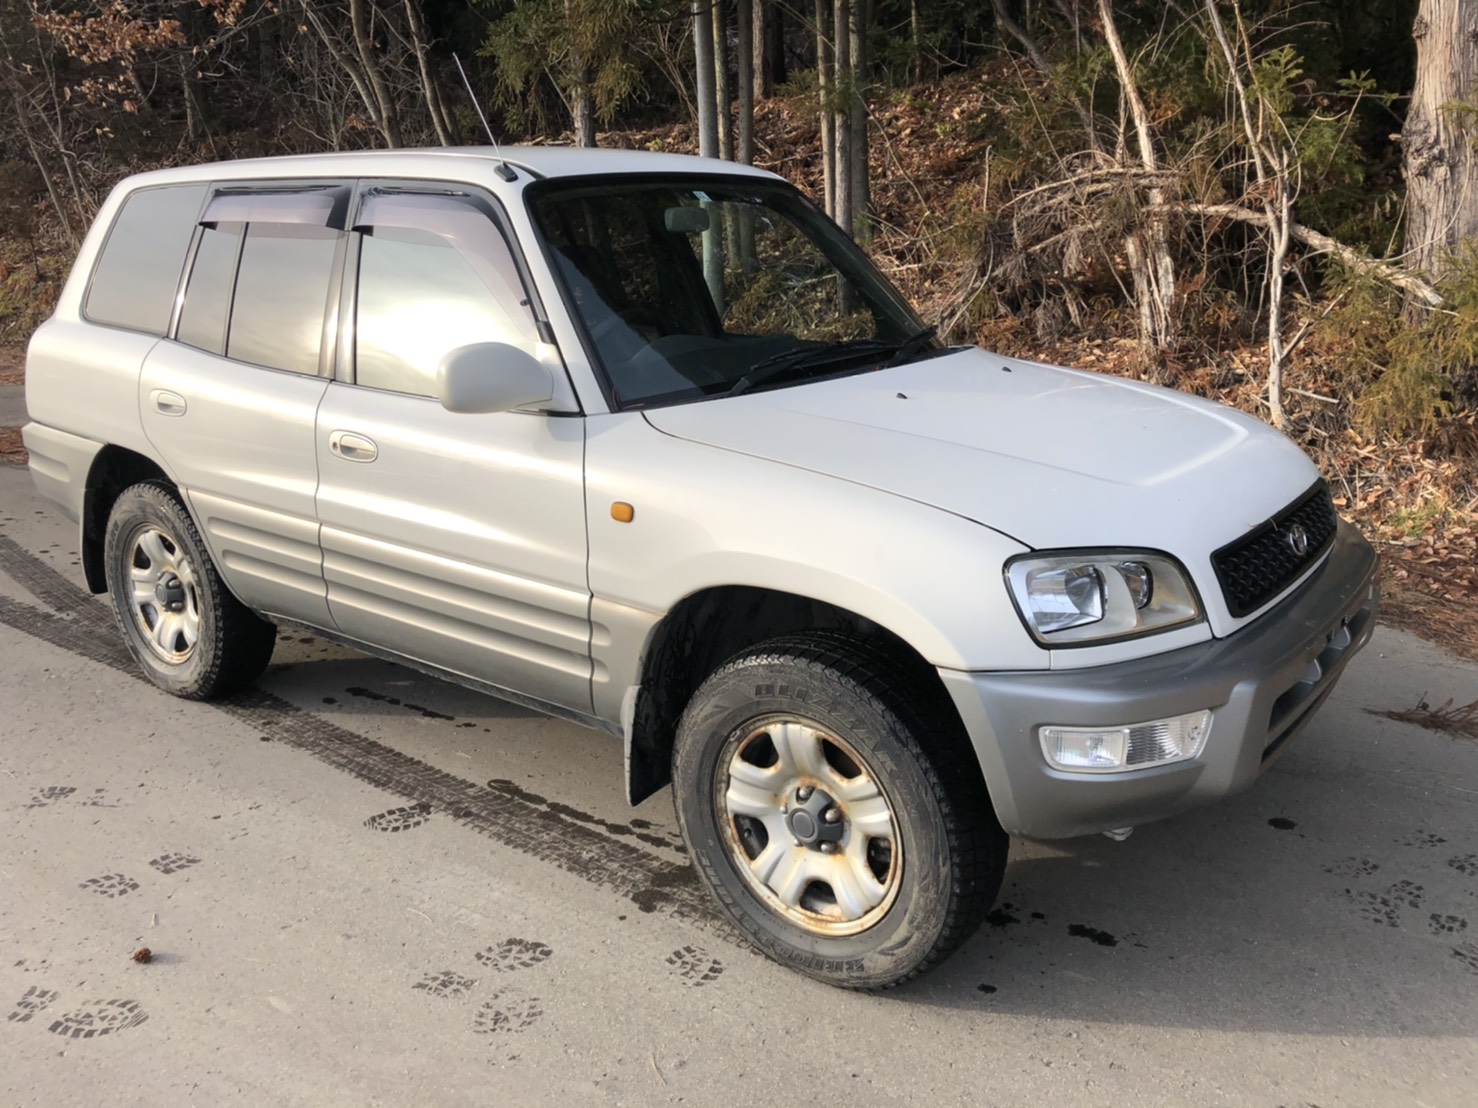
[(281, 289), (208, 292), (139, 269), (435, 273)]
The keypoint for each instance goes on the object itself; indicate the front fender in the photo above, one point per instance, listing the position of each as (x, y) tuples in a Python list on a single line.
[(703, 517)]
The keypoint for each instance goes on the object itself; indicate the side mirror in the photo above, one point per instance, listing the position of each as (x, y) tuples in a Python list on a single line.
[(491, 377)]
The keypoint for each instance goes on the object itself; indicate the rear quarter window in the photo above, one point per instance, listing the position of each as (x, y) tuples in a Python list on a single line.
[(138, 271)]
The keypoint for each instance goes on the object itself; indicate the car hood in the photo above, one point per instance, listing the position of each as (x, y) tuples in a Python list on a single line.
[(1051, 457)]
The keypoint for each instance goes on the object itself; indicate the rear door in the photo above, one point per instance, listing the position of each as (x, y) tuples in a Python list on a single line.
[(229, 401), (453, 539)]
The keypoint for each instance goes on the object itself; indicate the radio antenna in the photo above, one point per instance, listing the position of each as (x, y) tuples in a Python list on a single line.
[(504, 170)]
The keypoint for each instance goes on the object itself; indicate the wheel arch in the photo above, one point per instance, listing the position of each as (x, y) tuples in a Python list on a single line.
[(114, 469), (709, 627)]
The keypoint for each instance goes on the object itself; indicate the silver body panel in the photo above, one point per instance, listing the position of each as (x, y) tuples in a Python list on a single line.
[(462, 542), (238, 440)]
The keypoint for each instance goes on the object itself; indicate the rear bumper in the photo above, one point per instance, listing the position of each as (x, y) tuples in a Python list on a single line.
[(1263, 684), (60, 463)]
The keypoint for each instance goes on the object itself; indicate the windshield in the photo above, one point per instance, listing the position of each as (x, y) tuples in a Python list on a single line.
[(715, 286)]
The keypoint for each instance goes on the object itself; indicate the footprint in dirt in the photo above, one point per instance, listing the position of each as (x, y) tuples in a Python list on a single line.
[(1384, 909), (1352, 867), (111, 885), (507, 1013), (514, 954), (1466, 864), (101, 1017), (32, 1001), (50, 795), (1467, 954), (400, 819), (1441, 925), (694, 966), (445, 984), (173, 863), (1423, 840)]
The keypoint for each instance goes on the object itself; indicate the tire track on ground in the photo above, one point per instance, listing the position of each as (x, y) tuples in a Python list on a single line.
[(650, 882)]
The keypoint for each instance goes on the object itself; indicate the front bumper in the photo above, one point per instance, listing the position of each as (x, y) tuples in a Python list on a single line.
[(1263, 684)]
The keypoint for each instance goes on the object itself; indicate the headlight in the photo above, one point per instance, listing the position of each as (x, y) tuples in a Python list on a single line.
[(1094, 596)]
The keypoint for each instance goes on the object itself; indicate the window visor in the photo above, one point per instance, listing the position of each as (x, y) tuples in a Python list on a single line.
[(326, 206)]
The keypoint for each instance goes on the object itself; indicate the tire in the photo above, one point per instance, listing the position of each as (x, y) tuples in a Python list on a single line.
[(820, 721), (189, 634)]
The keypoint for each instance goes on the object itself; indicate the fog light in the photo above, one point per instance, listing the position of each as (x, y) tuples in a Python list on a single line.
[(1135, 746)]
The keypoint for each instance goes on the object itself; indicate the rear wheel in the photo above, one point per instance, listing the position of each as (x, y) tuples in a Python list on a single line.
[(841, 824), (190, 635)]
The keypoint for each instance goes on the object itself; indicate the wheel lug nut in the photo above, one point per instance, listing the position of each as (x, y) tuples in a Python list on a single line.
[(828, 848), (832, 814), (803, 793)]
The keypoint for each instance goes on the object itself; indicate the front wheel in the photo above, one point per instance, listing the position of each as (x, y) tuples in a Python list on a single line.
[(840, 823), (190, 635)]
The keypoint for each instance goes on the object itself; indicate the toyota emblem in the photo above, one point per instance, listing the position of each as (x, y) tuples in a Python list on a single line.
[(1298, 540)]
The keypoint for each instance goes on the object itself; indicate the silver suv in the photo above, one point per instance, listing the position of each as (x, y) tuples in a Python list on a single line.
[(645, 442)]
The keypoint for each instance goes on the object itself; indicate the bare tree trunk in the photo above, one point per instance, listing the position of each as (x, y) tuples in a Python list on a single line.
[(713, 257), (745, 51), (828, 122), (842, 125), (389, 120), (916, 41), (1273, 163), (721, 86), (1150, 265), (703, 71), (428, 85), (1439, 160), (1282, 221), (861, 187), (762, 76), (582, 107), (775, 42)]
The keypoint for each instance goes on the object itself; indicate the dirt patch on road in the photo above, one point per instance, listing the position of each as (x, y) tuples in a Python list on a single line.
[(12, 365), (11, 450)]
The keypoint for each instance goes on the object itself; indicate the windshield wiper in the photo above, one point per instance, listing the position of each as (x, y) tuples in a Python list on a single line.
[(777, 365), (911, 346)]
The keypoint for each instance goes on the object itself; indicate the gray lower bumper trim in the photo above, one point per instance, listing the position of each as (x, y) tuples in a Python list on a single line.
[(1263, 684)]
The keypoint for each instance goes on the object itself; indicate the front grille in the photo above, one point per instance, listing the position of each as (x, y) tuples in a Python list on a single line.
[(1266, 560)]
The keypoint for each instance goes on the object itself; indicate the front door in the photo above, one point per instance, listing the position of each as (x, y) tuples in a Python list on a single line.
[(453, 539)]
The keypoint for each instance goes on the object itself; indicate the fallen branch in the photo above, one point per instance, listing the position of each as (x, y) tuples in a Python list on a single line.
[(1462, 720), (1316, 240)]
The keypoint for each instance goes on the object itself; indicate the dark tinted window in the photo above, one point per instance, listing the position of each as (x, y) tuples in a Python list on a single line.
[(692, 288), (139, 269), (281, 288), (435, 273), (208, 291)]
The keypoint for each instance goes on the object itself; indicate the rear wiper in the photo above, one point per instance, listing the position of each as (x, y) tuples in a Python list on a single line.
[(777, 365)]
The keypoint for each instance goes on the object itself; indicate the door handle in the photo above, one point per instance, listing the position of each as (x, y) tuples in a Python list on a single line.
[(168, 403), (352, 447)]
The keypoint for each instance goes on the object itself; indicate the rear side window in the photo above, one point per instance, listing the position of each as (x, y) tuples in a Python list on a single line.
[(208, 294), (139, 269), (282, 287)]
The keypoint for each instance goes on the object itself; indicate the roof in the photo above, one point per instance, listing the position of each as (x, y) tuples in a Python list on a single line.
[(474, 161)]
